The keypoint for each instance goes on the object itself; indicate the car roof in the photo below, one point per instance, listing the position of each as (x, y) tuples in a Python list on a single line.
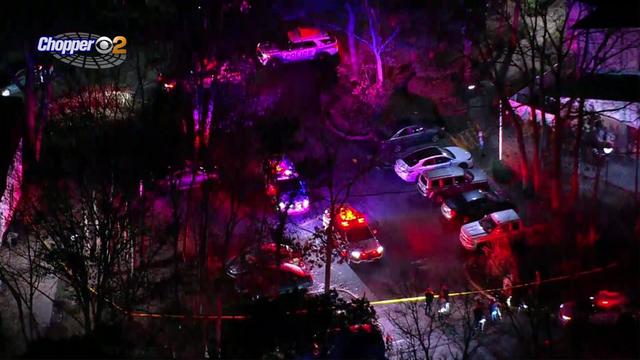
[(306, 33), (424, 153), (294, 269), (448, 171), (504, 216), (473, 195)]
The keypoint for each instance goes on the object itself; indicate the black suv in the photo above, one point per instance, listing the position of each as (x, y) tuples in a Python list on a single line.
[(474, 205)]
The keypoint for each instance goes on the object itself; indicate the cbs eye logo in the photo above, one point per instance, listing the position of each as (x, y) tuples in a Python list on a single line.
[(105, 45)]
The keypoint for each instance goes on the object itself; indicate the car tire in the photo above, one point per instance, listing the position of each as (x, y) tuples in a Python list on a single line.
[(464, 165), (435, 138)]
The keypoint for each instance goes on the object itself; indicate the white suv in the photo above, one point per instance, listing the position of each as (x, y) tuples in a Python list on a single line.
[(304, 44)]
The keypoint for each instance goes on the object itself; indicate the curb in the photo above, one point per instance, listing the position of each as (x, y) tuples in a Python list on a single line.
[(477, 287)]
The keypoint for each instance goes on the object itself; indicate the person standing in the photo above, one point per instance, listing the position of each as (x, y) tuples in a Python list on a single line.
[(428, 301), (481, 141)]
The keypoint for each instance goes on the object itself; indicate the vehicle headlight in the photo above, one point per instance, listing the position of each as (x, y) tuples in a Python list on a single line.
[(305, 203), (6, 92), (380, 249), (355, 254), (282, 205)]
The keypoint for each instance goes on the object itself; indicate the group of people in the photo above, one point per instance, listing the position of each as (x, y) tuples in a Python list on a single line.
[(444, 305), (479, 311)]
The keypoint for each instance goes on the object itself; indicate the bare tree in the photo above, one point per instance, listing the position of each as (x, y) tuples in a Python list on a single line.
[(420, 325), (88, 237), (22, 274), (375, 41), (464, 335)]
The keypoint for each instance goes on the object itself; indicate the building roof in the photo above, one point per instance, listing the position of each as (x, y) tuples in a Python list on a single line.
[(619, 87), (611, 14)]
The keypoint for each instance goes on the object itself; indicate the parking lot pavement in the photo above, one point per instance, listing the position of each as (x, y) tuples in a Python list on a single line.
[(417, 242)]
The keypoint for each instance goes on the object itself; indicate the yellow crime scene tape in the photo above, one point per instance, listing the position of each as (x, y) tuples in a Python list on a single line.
[(523, 285), (147, 315)]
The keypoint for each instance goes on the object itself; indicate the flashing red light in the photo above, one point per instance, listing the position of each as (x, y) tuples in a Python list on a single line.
[(349, 215), (608, 299), (356, 328)]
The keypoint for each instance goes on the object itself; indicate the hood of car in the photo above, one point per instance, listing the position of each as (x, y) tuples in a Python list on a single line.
[(267, 47), (400, 164), (473, 229), (479, 176), (459, 153), (364, 245), (293, 196)]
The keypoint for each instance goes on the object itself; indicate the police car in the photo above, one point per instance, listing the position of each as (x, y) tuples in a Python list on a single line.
[(303, 44), (284, 186)]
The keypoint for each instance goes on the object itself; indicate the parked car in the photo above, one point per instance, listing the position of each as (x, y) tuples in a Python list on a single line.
[(473, 205), (431, 158), (353, 231), (450, 181), (263, 255), (303, 44), (500, 225), (40, 74), (604, 308), (413, 135), (189, 177), (272, 280)]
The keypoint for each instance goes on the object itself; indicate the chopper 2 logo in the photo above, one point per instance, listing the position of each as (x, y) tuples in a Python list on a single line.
[(85, 50)]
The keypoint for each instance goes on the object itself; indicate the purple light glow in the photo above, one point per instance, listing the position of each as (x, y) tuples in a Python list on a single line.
[(13, 191)]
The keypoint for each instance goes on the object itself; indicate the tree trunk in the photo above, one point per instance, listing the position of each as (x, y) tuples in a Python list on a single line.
[(353, 55), (556, 165), (537, 176), (637, 162), (575, 168), (379, 73), (30, 109), (328, 259), (522, 150)]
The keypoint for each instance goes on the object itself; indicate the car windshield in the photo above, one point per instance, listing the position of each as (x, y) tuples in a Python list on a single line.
[(357, 234), (290, 186), (413, 159), (478, 202), (487, 224), (448, 153)]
